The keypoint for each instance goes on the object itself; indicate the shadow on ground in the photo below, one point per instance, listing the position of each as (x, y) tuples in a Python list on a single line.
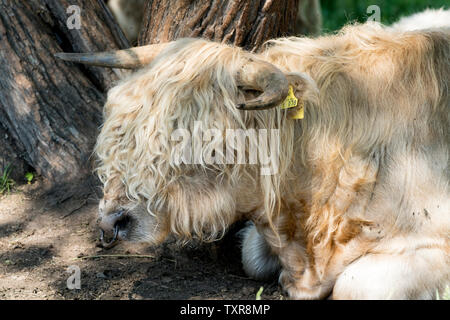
[(38, 244)]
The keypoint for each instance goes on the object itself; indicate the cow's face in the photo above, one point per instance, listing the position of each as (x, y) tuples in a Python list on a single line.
[(159, 156), (191, 206)]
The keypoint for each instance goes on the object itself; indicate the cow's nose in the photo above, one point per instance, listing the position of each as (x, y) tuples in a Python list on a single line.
[(110, 226)]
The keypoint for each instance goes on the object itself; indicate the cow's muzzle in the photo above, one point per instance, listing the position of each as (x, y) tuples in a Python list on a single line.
[(110, 226)]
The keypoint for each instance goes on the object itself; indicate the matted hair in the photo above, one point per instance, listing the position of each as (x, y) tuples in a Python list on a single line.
[(192, 80)]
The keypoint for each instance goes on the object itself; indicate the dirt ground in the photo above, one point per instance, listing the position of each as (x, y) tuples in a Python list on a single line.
[(39, 244)]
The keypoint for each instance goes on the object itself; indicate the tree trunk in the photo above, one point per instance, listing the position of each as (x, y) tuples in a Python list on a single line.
[(50, 110), (244, 23)]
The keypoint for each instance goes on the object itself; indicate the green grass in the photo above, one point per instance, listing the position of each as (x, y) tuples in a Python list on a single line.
[(445, 295), (338, 13), (6, 183), (258, 294), (29, 177)]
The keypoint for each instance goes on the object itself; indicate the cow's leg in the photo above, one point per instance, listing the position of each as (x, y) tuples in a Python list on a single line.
[(265, 254), (418, 274), (298, 278)]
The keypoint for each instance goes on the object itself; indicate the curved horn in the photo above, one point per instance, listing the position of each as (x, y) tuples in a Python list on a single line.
[(127, 59), (267, 78)]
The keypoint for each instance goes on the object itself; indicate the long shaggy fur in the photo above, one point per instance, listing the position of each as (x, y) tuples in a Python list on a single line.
[(135, 147), (368, 77), (379, 133)]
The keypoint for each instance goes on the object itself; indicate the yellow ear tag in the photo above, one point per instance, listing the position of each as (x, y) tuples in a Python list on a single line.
[(300, 112), (290, 102)]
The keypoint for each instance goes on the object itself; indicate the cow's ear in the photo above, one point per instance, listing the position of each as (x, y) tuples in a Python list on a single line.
[(304, 86), (264, 85)]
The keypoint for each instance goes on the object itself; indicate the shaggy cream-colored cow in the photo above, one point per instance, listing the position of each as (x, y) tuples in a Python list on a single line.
[(360, 204)]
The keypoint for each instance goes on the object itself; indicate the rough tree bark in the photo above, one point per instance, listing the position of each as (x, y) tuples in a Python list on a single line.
[(50, 110), (244, 23)]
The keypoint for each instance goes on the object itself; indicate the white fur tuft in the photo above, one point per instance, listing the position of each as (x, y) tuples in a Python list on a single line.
[(258, 261), (430, 18)]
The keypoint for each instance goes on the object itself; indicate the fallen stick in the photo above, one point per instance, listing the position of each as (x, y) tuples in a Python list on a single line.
[(114, 256)]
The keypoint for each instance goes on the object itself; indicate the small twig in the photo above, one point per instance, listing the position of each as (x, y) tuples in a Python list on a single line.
[(171, 260), (82, 204), (115, 256), (239, 277), (158, 284)]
